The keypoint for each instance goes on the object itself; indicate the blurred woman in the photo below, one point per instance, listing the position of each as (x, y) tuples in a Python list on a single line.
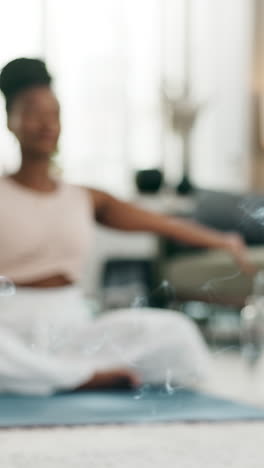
[(47, 340)]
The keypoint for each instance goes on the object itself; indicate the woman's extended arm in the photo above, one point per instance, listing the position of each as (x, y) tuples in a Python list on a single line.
[(125, 216)]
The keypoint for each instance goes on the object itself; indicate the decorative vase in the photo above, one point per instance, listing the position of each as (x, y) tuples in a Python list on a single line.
[(149, 180), (181, 114)]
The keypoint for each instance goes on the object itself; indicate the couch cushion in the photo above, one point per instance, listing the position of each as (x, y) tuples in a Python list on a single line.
[(212, 275)]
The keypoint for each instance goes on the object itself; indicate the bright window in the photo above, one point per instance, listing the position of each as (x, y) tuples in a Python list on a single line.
[(110, 57)]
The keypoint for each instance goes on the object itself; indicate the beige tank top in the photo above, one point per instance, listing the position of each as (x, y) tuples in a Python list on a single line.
[(44, 234)]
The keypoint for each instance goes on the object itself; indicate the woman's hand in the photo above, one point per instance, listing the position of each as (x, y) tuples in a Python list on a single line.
[(116, 378), (235, 245)]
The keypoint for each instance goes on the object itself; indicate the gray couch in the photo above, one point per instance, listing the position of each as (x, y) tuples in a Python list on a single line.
[(199, 274)]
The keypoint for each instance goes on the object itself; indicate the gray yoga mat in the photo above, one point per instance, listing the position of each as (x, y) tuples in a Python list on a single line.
[(126, 407)]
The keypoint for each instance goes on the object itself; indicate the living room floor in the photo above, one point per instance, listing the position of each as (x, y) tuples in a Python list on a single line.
[(236, 445)]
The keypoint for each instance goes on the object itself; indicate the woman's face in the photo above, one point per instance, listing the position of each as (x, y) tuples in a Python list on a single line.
[(34, 119)]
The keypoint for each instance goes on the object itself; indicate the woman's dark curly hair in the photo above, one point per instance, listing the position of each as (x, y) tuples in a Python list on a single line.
[(22, 74)]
